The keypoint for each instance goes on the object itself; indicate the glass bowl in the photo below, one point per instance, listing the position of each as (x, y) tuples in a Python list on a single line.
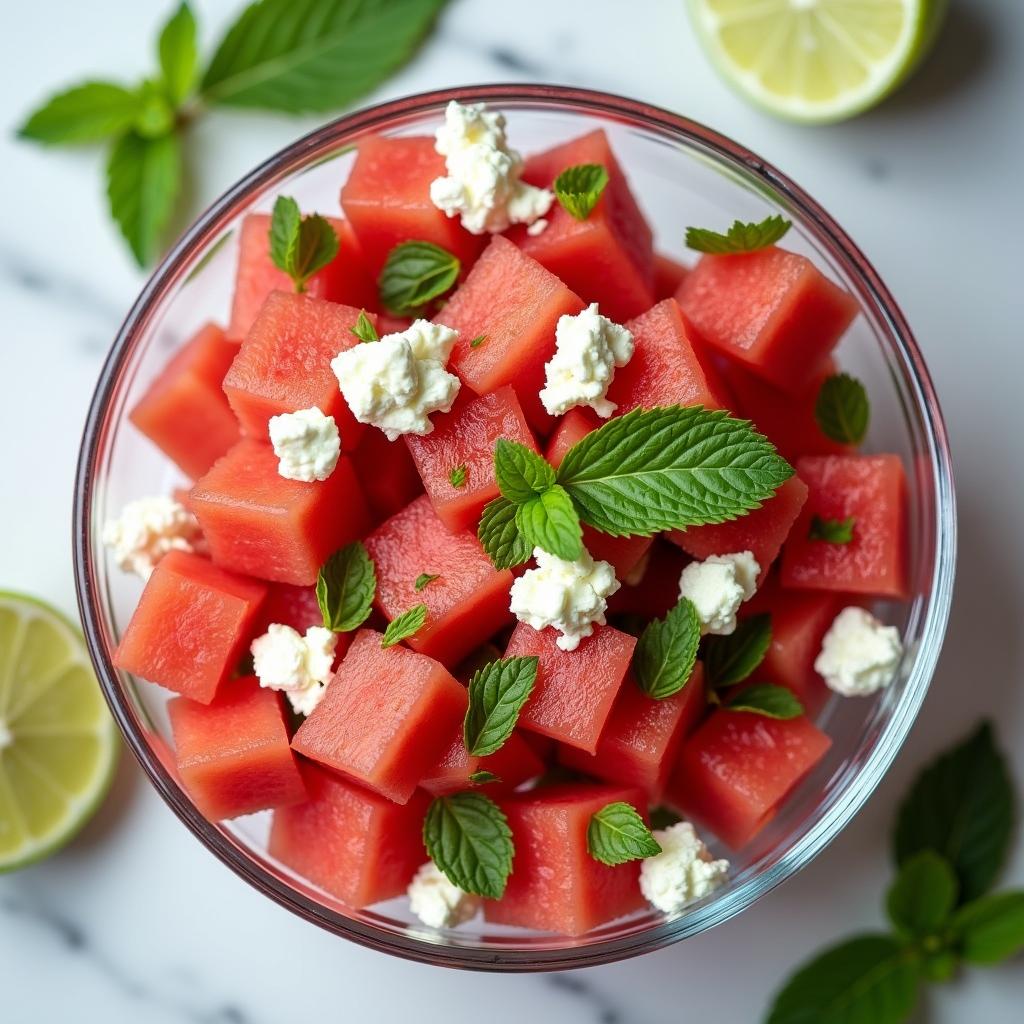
[(682, 173)]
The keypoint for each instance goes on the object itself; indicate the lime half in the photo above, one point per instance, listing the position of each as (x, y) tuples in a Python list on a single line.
[(58, 743), (816, 60)]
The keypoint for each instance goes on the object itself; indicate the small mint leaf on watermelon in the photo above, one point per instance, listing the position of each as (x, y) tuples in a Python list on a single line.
[(481, 777), (408, 624), (424, 580), (457, 477), (505, 545), (467, 836), (478, 341), (832, 531), (768, 700), (497, 693), (730, 659), (578, 188), (549, 521), (667, 651), (842, 409), (300, 246), (741, 237), (522, 474), (364, 329), (414, 274), (178, 53), (345, 588), (90, 112), (617, 834)]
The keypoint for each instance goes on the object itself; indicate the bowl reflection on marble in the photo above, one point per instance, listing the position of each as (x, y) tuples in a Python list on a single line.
[(682, 174)]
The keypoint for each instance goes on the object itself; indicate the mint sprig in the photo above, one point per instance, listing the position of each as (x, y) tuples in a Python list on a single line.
[(667, 651), (497, 693), (91, 112), (499, 534), (178, 52), (768, 700), (742, 236), (923, 896), (414, 274), (345, 588), (842, 408), (300, 246), (831, 531), (617, 834), (579, 188), (521, 474), (549, 521), (730, 659), (406, 625)]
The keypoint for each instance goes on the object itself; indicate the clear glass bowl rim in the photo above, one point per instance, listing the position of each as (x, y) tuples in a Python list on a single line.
[(645, 116)]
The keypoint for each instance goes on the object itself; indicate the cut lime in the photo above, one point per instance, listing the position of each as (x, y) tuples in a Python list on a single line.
[(58, 743), (816, 60)]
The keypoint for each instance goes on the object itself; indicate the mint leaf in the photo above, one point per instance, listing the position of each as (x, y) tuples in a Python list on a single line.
[(961, 807), (478, 341), (549, 521), (415, 273), (364, 329), (313, 56), (842, 409), (669, 468), (617, 834), (990, 929), (468, 838), (143, 180), (767, 699), (90, 112), (178, 53), (497, 693), (522, 474), (923, 896), (731, 659), (666, 652), (579, 188), (345, 588), (457, 477), (871, 979), (300, 246), (408, 624), (155, 117), (741, 237), (663, 817), (424, 580), (481, 777), (505, 545), (832, 531)]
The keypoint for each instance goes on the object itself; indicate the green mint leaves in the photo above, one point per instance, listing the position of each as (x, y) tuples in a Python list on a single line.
[(457, 477), (768, 700), (424, 580), (414, 274), (408, 624), (667, 651), (506, 547), (467, 836), (300, 246), (522, 474), (842, 409), (617, 834), (478, 341), (741, 237), (364, 329), (832, 531), (482, 776), (579, 188), (730, 659), (345, 588), (497, 693), (296, 56), (952, 836)]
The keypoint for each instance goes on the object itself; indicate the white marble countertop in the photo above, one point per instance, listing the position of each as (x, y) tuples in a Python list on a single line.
[(136, 921)]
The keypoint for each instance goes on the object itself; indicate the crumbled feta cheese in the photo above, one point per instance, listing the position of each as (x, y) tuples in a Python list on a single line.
[(569, 596), (306, 443), (588, 347), (438, 902), (482, 185), (538, 227), (397, 382), (718, 586), (859, 655), (298, 665), (682, 872), (147, 529)]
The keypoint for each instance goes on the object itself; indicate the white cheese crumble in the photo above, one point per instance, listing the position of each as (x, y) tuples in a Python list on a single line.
[(437, 902), (306, 443), (682, 872), (482, 185), (859, 655), (568, 596), (147, 529), (538, 227), (588, 348), (397, 382), (718, 586), (298, 665)]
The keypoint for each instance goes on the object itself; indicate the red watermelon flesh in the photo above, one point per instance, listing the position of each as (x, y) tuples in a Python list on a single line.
[(190, 626), (668, 276), (658, 588), (184, 411), (515, 762), (386, 473), (233, 753)]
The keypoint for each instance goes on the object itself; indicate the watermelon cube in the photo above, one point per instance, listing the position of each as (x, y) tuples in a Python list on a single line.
[(639, 743), (465, 437), (575, 690), (513, 303), (607, 258), (345, 279), (762, 531), (555, 885), (386, 473), (284, 364), (385, 718), (515, 762), (738, 767), (466, 604), (233, 754), (353, 844), (191, 626), (771, 310), (184, 412), (873, 490), (668, 276), (257, 522), (387, 201)]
